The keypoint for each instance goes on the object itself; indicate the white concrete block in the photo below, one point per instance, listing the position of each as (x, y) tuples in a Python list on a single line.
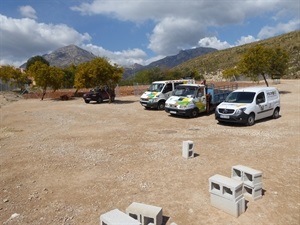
[(252, 193), (116, 217), (188, 149), (146, 214), (225, 187), (249, 176), (233, 207)]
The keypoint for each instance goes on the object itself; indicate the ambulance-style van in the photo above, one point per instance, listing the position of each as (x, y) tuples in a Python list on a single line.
[(248, 105), (159, 91)]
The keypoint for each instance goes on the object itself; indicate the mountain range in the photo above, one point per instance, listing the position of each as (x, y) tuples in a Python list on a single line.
[(72, 54), (205, 60)]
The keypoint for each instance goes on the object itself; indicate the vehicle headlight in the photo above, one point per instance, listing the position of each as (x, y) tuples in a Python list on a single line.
[(239, 111)]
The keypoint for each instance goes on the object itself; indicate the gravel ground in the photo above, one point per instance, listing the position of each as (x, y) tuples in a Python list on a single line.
[(67, 162)]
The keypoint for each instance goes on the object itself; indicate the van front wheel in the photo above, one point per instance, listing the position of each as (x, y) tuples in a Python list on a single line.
[(194, 113), (161, 105), (251, 120), (276, 113)]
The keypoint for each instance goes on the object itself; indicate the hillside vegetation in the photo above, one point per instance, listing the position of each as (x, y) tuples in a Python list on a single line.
[(214, 62)]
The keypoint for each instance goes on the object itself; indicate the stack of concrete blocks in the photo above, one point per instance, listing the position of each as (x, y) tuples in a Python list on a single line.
[(116, 217), (252, 181), (188, 149), (227, 194), (146, 214)]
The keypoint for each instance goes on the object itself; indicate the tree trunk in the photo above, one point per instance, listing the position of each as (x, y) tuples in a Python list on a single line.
[(75, 93), (43, 95), (265, 79)]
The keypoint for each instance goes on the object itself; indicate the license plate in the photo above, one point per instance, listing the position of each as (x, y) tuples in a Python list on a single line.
[(224, 116), (143, 104), (173, 112)]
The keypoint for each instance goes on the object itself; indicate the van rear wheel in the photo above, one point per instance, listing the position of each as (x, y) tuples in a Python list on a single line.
[(251, 120), (276, 113)]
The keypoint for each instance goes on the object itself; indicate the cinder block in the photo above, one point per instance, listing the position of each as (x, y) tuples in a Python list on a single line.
[(225, 187), (146, 214), (188, 149), (253, 193), (249, 176), (233, 207), (116, 217)]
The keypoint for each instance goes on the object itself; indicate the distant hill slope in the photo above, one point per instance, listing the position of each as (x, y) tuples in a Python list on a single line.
[(170, 61), (213, 62)]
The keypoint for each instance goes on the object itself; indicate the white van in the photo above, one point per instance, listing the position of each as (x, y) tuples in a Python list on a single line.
[(248, 105), (159, 91)]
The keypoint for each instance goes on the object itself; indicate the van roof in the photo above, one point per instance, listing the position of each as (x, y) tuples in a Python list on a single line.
[(170, 81), (256, 89)]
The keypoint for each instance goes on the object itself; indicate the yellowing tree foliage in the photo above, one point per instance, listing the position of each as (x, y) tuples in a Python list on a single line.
[(263, 61), (13, 75), (98, 72), (46, 76)]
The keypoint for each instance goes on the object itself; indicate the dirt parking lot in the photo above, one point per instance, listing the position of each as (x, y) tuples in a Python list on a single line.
[(67, 162)]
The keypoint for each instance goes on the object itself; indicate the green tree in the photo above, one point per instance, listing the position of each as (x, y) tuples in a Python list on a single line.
[(46, 76), (14, 76), (230, 73), (69, 76), (98, 72), (278, 62), (259, 60), (34, 59)]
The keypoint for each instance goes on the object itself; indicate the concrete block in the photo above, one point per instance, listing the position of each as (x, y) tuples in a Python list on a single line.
[(233, 207), (252, 193), (225, 187), (116, 217), (249, 176), (188, 149), (146, 214)]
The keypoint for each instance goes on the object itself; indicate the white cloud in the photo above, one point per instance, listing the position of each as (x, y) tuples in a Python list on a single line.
[(126, 57), (24, 38), (213, 42), (180, 24), (28, 11), (268, 31), (174, 34), (246, 40)]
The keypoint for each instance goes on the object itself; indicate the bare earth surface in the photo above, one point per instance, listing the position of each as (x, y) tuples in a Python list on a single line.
[(67, 162)]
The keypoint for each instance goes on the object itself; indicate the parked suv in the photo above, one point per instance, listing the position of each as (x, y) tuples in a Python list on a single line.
[(99, 94)]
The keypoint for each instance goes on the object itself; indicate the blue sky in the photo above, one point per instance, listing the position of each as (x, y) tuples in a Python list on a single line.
[(138, 31)]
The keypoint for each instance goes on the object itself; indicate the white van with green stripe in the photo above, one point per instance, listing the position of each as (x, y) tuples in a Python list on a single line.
[(159, 91)]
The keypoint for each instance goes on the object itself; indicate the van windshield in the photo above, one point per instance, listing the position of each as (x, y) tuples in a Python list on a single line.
[(240, 97), (186, 91), (156, 87)]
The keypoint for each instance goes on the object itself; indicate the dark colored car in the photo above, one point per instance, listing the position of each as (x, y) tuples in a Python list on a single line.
[(99, 94)]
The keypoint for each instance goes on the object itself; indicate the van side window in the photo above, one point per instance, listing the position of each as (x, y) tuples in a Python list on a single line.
[(167, 88), (260, 98), (176, 84), (201, 92)]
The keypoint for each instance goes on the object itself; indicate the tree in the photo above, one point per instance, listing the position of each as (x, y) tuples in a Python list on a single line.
[(13, 75), (98, 72), (230, 73), (260, 60), (34, 59), (46, 76), (69, 76)]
